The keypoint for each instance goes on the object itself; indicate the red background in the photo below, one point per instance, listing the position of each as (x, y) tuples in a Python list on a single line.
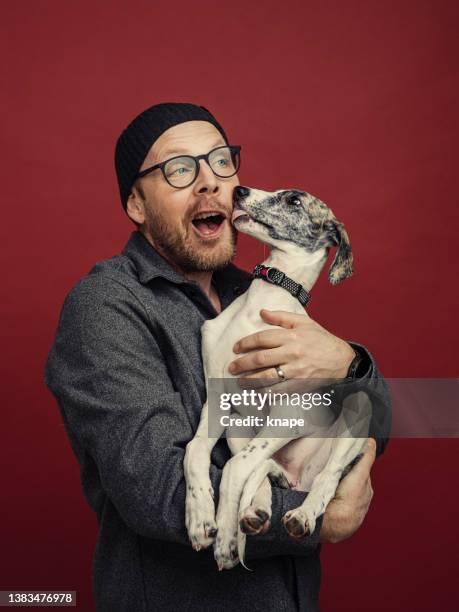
[(353, 101)]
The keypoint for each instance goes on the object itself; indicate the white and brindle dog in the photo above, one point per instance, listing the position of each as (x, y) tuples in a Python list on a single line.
[(299, 229)]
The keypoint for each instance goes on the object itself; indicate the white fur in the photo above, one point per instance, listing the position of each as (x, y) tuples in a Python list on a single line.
[(311, 464)]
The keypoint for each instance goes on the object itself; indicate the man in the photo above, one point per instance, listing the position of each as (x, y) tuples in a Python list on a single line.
[(126, 370)]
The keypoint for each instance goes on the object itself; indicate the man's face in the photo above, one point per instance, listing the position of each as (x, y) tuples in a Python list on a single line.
[(168, 215)]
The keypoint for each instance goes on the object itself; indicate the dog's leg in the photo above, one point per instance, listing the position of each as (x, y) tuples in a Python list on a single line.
[(255, 507), (199, 505), (354, 421), (235, 475)]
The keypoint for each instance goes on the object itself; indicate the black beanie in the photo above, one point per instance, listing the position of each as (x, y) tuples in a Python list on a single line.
[(136, 140)]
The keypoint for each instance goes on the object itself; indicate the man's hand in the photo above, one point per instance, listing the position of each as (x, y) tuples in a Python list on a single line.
[(346, 511), (302, 347)]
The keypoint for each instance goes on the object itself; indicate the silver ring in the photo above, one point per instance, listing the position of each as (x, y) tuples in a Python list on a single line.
[(280, 372)]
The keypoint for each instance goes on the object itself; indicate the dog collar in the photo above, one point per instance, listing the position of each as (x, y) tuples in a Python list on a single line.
[(276, 277)]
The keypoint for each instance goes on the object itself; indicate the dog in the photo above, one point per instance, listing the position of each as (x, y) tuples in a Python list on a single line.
[(299, 229)]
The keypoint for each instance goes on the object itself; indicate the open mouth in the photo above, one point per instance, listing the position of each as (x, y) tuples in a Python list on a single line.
[(208, 224), (238, 213)]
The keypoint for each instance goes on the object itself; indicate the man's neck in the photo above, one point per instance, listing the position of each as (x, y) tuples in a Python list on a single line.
[(204, 280)]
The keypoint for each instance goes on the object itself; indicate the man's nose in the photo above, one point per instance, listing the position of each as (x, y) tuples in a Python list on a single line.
[(206, 178)]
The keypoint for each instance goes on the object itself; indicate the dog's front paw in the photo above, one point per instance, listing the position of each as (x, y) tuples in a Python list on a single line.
[(225, 549), (298, 524), (200, 517)]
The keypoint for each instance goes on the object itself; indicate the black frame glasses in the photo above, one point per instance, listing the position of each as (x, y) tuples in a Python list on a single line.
[(235, 155)]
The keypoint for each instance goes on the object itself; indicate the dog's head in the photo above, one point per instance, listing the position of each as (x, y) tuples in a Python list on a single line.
[(296, 217)]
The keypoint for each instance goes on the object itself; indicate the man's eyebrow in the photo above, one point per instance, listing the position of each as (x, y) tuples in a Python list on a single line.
[(170, 152)]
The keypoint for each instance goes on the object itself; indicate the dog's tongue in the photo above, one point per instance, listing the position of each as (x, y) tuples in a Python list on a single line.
[(237, 213)]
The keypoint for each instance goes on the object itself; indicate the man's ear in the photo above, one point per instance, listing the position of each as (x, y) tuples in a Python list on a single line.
[(135, 205), (342, 264)]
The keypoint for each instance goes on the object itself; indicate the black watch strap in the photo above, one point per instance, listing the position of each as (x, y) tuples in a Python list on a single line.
[(354, 365)]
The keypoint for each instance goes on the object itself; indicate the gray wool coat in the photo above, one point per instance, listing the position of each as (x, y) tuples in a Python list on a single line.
[(126, 371)]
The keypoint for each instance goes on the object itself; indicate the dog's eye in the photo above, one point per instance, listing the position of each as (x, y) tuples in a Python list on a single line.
[(294, 200)]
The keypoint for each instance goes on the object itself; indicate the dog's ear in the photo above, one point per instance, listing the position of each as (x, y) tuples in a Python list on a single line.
[(342, 264)]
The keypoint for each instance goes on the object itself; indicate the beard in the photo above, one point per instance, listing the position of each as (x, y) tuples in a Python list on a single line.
[(180, 245)]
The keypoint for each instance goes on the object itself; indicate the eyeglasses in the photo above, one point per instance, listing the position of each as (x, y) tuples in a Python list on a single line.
[(183, 170)]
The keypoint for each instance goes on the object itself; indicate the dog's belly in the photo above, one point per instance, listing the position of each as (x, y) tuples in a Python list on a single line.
[(303, 459)]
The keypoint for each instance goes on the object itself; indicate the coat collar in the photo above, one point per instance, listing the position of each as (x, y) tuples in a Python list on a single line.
[(148, 262)]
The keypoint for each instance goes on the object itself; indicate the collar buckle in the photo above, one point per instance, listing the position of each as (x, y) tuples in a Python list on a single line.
[(277, 276), (274, 276)]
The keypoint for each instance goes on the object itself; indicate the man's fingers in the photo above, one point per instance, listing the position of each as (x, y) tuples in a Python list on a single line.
[(259, 360), (268, 338), (283, 318)]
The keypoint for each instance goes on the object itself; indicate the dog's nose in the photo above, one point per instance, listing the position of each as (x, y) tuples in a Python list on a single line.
[(240, 192)]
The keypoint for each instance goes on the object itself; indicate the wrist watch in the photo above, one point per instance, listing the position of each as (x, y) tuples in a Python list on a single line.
[(354, 365)]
